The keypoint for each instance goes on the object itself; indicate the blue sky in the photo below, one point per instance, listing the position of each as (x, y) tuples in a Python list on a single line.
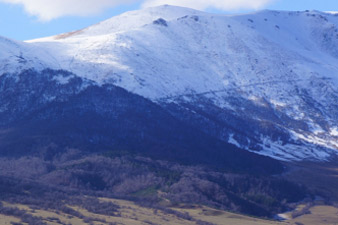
[(17, 22)]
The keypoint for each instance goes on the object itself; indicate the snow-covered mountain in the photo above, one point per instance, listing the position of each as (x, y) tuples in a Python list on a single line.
[(266, 82)]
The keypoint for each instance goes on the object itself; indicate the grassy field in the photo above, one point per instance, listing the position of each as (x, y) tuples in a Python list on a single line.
[(221, 217), (318, 215), (131, 214), (8, 220)]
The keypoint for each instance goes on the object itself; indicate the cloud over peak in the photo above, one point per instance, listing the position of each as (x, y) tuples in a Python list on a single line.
[(47, 10), (215, 4)]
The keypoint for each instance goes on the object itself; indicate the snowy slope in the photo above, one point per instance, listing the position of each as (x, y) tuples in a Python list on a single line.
[(281, 63), (15, 56), (116, 49)]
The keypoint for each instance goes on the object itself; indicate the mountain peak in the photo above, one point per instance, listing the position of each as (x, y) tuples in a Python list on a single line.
[(139, 18), (279, 65), (129, 21)]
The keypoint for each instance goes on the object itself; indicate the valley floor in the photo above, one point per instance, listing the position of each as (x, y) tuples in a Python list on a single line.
[(130, 213), (159, 192)]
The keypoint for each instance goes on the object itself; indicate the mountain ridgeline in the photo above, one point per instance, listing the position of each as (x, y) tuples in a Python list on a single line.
[(106, 141), (265, 82), (41, 112), (170, 104)]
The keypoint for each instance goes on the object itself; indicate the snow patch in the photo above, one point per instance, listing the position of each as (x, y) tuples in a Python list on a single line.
[(315, 128), (231, 140), (332, 12), (62, 79), (277, 103), (334, 131)]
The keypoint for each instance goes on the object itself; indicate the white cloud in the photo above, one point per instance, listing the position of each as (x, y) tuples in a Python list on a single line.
[(216, 4), (47, 10)]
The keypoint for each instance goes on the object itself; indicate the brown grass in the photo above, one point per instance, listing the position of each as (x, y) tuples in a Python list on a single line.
[(7, 220), (320, 215), (132, 214), (69, 34)]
